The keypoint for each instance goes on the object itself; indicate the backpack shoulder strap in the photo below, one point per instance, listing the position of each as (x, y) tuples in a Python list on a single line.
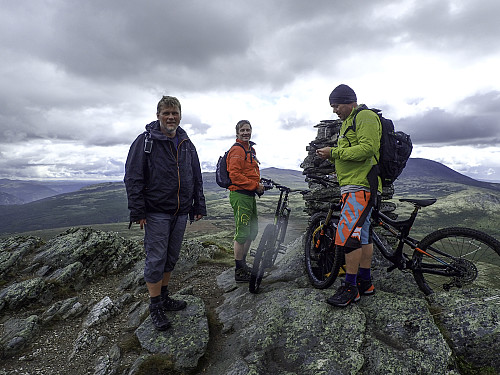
[(361, 108), (148, 142), (246, 152), (353, 126), (239, 144)]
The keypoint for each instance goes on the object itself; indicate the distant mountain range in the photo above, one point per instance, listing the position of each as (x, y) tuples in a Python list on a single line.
[(64, 203), (25, 191), (429, 170)]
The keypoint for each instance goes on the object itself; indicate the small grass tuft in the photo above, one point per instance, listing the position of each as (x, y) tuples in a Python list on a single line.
[(158, 364), (467, 368), (130, 343)]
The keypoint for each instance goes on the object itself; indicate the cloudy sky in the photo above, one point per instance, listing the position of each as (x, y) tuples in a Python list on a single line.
[(81, 79)]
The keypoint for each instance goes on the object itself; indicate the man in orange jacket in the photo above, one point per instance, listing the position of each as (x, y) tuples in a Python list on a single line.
[(243, 168)]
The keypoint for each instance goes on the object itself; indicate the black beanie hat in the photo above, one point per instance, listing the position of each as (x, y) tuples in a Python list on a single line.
[(342, 94)]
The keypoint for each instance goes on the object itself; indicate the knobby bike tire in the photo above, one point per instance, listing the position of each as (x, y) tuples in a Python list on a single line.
[(323, 258), (263, 257), (474, 257)]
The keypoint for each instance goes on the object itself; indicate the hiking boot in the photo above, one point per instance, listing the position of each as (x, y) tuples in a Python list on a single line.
[(242, 275), (158, 317), (345, 294), (170, 304), (365, 287), (248, 268)]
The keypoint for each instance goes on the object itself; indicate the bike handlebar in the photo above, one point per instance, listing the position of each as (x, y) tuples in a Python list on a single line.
[(319, 179), (269, 184)]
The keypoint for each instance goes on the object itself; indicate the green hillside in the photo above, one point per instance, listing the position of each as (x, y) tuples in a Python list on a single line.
[(461, 202)]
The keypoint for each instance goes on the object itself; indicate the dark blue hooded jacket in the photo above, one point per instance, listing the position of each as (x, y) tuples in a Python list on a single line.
[(166, 180)]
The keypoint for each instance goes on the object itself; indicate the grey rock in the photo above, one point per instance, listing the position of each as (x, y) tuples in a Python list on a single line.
[(402, 337), (108, 365), (186, 341), (17, 334), (63, 310), (86, 339), (13, 249), (98, 252), (136, 313), (68, 275), (289, 329), (471, 322), (25, 292), (100, 313)]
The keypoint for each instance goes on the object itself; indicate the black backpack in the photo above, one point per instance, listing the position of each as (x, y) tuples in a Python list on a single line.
[(221, 173), (395, 148)]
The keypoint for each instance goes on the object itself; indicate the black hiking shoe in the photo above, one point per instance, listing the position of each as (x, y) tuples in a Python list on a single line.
[(365, 287), (242, 275), (158, 317), (247, 267), (345, 294), (170, 304)]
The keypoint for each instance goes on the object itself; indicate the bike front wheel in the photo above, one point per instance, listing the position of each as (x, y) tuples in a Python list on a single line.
[(457, 258), (323, 258), (263, 258), (281, 227)]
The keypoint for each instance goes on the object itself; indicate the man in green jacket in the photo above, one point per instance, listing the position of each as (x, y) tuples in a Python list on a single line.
[(355, 156)]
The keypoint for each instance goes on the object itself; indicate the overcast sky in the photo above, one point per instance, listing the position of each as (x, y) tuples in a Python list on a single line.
[(81, 79)]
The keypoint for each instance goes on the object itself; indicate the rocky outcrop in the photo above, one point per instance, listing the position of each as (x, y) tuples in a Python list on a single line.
[(289, 329), (285, 329), (36, 277)]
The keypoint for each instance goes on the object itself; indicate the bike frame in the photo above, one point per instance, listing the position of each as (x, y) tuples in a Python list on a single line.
[(282, 212), (401, 229)]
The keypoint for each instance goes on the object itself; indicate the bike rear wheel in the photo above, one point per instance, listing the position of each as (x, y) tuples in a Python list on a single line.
[(322, 257), (263, 258), (472, 260)]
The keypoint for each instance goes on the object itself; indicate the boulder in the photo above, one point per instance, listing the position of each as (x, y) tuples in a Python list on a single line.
[(186, 341), (288, 328)]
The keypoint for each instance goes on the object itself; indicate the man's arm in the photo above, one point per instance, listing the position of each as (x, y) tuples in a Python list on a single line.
[(199, 204), (134, 180)]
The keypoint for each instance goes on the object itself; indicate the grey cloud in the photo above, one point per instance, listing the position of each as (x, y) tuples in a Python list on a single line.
[(61, 60), (292, 122), (480, 127)]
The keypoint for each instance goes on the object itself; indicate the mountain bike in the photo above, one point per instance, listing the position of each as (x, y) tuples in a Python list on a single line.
[(271, 243), (447, 258)]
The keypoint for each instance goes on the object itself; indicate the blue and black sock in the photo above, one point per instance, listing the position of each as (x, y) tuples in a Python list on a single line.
[(350, 278), (164, 291), (364, 273), (155, 300)]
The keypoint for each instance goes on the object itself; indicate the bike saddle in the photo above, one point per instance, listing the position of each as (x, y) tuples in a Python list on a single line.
[(419, 202)]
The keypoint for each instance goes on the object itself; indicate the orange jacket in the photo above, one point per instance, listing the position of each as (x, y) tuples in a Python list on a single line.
[(243, 167)]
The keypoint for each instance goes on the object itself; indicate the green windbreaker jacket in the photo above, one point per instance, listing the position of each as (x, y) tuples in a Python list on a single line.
[(355, 153)]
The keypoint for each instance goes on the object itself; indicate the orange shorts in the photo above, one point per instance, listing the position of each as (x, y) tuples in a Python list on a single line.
[(355, 209)]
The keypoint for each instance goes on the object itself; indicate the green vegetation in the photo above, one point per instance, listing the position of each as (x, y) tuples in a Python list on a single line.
[(467, 369), (157, 364), (457, 205), (104, 206)]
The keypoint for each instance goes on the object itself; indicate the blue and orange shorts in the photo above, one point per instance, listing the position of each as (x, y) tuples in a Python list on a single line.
[(354, 226)]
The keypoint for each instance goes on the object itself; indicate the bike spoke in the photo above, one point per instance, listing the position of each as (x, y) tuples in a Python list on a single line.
[(463, 257)]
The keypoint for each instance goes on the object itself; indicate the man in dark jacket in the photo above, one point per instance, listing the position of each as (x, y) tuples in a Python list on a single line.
[(164, 186)]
